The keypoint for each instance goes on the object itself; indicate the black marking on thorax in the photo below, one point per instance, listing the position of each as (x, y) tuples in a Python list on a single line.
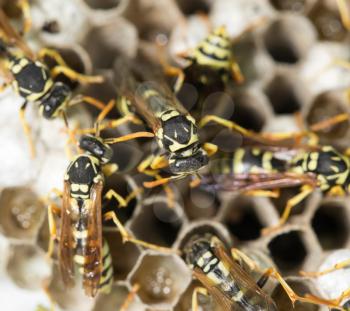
[(31, 77)]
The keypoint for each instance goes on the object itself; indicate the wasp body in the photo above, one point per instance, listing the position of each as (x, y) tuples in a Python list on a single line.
[(225, 279), (81, 218)]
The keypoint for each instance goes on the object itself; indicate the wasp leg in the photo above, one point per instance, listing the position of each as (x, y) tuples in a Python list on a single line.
[(338, 266), (52, 210), (210, 149), (198, 290), (73, 75), (294, 297), (345, 294), (27, 129), (112, 194), (128, 137), (240, 257), (109, 169), (111, 215), (87, 100), (130, 298), (177, 72), (27, 19), (305, 191), (159, 162), (263, 193), (231, 125), (344, 13), (56, 56), (237, 75)]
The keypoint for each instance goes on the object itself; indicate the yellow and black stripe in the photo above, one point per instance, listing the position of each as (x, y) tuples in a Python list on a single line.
[(106, 280)]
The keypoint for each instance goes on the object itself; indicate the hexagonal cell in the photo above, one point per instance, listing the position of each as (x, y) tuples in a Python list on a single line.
[(255, 63), (285, 195), (194, 7), (325, 106), (72, 298), (289, 38), (28, 267), (298, 6), (165, 222), (115, 299), (162, 279), (288, 251), (203, 227), (206, 303), (201, 203), (124, 255), (251, 109), (326, 18), (301, 288), (331, 224), (104, 44), (241, 219), (104, 4), (286, 93), (21, 213)]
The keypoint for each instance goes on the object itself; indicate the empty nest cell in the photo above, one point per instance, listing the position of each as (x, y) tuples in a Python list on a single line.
[(288, 251), (331, 224), (162, 279), (289, 38), (165, 223)]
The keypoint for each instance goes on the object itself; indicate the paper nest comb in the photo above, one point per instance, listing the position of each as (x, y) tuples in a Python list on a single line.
[(282, 61)]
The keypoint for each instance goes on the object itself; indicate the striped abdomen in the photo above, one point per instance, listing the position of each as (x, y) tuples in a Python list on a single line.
[(214, 51), (106, 279), (248, 161)]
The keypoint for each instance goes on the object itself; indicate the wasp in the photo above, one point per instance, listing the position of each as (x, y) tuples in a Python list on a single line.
[(80, 240), (210, 64), (175, 129), (34, 81), (229, 279), (275, 163)]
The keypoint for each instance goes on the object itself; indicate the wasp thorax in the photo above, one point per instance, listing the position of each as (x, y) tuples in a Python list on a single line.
[(55, 100), (96, 147), (178, 132)]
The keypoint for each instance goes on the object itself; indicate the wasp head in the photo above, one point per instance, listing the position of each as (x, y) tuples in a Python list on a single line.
[(96, 147), (196, 247), (188, 162), (55, 100)]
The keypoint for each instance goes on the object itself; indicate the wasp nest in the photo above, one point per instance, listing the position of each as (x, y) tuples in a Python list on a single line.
[(284, 61)]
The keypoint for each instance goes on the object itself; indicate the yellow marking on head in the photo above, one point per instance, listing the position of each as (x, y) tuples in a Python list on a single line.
[(335, 168)]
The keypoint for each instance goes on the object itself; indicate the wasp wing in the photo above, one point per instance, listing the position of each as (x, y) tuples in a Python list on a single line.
[(93, 247), (245, 282), (223, 300), (66, 243), (12, 37), (249, 182)]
